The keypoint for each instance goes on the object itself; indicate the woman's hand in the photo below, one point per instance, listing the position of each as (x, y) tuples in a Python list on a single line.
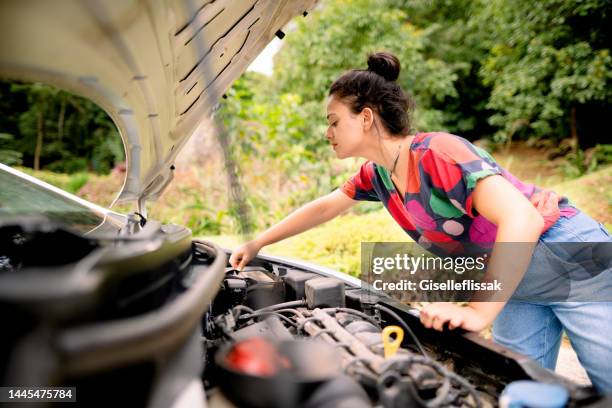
[(308, 216), (243, 254), (435, 315)]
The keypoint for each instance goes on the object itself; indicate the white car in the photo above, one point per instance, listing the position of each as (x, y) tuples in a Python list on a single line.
[(131, 312)]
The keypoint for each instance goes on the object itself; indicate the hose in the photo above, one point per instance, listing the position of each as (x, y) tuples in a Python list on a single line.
[(364, 316), (272, 313), (285, 305)]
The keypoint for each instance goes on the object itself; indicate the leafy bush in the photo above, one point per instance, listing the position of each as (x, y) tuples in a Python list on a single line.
[(339, 36), (70, 165), (76, 182), (581, 162), (71, 183), (8, 156), (108, 153), (55, 130), (545, 59)]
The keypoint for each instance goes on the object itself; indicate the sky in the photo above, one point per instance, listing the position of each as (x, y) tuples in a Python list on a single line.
[(263, 62)]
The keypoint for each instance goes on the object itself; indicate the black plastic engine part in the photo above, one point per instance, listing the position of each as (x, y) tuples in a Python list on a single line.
[(264, 288), (233, 292), (35, 243), (396, 392), (358, 326), (340, 392), (295, 282), (270, 328), (324, 292)]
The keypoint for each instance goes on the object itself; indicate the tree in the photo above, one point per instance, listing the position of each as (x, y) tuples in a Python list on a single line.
[(56, 130), (339, 37), (546, 60), (41, 100), (451, 34)]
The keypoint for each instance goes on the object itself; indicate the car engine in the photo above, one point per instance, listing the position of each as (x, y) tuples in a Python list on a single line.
[(155, 314), (280, 305)]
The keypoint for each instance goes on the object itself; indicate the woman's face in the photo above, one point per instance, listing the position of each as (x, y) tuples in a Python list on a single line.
[(345, 129)]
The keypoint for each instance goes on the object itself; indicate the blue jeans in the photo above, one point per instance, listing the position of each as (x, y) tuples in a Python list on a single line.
[(534, 328)]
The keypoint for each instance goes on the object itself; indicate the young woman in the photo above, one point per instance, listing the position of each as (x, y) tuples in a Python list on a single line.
[(443, 190)]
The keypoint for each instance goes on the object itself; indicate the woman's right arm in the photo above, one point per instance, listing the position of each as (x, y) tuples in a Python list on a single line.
[(304, 218)]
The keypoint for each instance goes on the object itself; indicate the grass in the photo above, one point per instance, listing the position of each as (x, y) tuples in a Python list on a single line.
[(592, 194), (335, 244), (68, 182)]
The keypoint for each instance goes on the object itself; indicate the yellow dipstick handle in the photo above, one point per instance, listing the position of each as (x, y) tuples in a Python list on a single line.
[(389, 343)]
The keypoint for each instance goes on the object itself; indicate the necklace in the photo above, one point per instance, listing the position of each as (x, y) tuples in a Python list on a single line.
[(396, 158)]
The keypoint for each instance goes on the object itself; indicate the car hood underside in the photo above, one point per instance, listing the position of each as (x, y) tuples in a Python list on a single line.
[(157, 67)]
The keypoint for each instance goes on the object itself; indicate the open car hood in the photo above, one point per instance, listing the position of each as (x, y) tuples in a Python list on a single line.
[(157, 67)]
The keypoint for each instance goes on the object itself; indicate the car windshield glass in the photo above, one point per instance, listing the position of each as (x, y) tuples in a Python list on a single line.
[(21, 197)]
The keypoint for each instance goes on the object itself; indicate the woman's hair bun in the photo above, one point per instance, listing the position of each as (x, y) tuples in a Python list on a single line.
[(384, 64)]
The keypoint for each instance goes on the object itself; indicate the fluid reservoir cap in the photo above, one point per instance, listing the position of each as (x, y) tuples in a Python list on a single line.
[(533, 394)]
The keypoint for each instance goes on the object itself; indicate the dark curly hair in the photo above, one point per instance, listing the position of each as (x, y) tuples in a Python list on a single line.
[(376, 88)]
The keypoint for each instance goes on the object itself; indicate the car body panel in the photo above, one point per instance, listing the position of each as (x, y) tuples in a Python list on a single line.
[(157, 67)]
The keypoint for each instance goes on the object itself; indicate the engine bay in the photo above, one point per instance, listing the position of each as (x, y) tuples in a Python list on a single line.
[(263, 308), (159, 311)]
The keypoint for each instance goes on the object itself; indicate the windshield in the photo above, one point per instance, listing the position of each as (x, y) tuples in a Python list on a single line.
[(21, 197)]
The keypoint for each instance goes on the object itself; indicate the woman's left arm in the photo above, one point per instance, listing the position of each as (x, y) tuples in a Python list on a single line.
[(517, 221)]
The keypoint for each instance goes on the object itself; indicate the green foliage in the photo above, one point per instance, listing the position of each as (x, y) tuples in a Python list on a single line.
[(580, 162), (280, 129), (203, 220), (71, 183), (341, 35), (107, 153), (452, 34), (277, 126), (8, 156), (76, 181), (545, 57), (56, 130), (337, 244)]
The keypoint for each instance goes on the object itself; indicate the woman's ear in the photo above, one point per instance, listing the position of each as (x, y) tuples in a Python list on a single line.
[(367, 118)]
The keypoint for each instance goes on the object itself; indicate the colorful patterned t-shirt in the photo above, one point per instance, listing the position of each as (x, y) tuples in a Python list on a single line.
[(437, 210)]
